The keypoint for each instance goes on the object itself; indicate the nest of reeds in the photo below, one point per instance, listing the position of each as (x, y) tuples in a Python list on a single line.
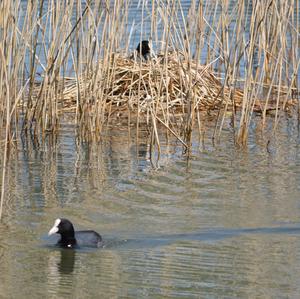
[(165, 83)]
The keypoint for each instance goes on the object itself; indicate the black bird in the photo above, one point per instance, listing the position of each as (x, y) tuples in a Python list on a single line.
[(144, 49), (70, 238)]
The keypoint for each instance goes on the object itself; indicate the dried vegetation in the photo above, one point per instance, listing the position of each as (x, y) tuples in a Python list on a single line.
[(61, 58), (69, 57)]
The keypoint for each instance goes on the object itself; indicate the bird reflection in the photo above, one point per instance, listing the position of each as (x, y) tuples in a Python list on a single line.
[(60, 269), (62, 261), (67, 261)]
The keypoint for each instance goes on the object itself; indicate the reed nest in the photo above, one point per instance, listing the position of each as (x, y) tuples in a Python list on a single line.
[(165, 84)]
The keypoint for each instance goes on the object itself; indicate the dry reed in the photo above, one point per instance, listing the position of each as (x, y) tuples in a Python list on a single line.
[(66, 57), (44, 43), (59, 57)]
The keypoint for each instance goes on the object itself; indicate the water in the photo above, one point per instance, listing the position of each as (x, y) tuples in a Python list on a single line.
[(223, 224)]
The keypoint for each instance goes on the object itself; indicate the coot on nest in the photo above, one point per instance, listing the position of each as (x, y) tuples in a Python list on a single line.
[(70, 238), (144, 49)]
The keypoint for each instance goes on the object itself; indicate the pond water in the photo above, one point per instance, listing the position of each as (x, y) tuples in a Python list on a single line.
[(224, 223)]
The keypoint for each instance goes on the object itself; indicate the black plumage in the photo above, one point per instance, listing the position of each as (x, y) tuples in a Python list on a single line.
[(143, 49), (71, 239)]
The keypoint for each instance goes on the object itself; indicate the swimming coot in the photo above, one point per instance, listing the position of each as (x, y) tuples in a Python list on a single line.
[(70, 238), (144, 49)]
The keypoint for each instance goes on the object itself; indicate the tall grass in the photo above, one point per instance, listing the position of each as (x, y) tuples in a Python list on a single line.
[(253, 46)]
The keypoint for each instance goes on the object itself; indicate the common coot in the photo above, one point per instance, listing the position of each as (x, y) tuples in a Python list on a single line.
[(143, 49), (71, 239)]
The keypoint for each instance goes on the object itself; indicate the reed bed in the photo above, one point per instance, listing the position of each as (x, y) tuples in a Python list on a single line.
[(73, 57), (69, 56), (158, 89), (61, 58)]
